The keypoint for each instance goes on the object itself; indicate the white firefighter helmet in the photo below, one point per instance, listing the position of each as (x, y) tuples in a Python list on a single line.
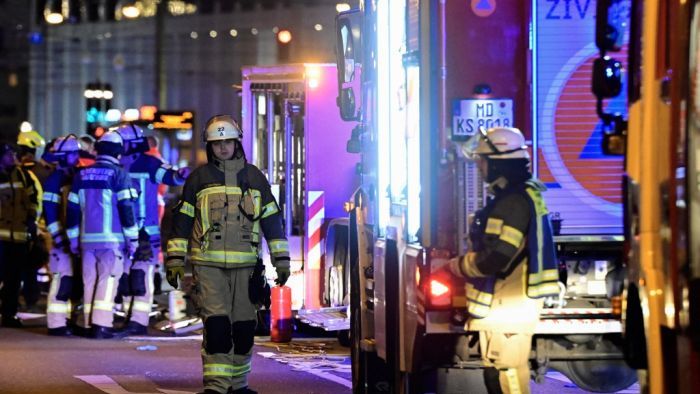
[(496, 143), (31, 139), (134, 140), (113, 137), (66, 144), (222, 127)]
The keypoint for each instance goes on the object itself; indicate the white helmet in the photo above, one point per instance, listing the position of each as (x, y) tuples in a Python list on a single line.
[(496, 143), (134, 140), (67, 144), (222, 127), (113, 137)]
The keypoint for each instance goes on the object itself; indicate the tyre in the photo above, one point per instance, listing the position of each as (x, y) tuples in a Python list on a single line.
[(336, 273), (600, 376)]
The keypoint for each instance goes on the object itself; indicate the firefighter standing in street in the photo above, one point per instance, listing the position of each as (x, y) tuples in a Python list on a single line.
[(147, 173), (511, 264), (101, 214), (19, 208), (27, 143), (65, 155), (225, 205)]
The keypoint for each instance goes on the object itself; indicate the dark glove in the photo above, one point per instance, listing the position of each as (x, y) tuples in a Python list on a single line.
[(282, 275), (174, 271), (32, 230), (258, 289)]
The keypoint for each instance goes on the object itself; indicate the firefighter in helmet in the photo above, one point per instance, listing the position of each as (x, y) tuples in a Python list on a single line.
[(101, 227), (64, 154), (147, 172), (511, 264), (225, 208)]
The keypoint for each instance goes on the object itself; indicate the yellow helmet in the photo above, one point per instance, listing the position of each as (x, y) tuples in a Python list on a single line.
[(31, 139)]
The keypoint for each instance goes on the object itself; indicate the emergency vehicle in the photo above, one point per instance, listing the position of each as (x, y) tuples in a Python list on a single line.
[(431, 72), (658, 139), (290, 126)]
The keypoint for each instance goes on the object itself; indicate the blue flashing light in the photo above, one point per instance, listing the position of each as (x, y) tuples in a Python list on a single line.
[(36, 38)]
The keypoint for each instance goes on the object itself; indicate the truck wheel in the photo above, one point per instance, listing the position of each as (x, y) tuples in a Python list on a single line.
[(600, 376), (344, 338), (336, 273)]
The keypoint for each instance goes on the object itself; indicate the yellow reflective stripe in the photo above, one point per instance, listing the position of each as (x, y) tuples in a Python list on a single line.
[(54, 228), (218, 370), (278, 246), (478, 310), (103, 306), (72, 197), (131, 232), (18, 235), (493, 226), (536, 291), (177, 245), (204, 213), (235, 190), (269, 210), (160, 173), (239, 370), (124, 194), (544, 276), (187, 209), (227, 257), (14, 185), (468, 266), (58, 307), (87, 308), (142, 306), (478, 296), (51, 197), (513, 383), (101, 237), (512, 236), (540, 210)]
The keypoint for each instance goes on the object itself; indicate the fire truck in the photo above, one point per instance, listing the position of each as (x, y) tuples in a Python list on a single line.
[(416, 78), (658, 139), (289, 120)]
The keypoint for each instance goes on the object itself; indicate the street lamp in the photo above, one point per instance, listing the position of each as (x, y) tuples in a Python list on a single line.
[(54, 12), (130, 9)]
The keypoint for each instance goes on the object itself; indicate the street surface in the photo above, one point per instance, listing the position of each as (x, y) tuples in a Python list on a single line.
[(32, 362)]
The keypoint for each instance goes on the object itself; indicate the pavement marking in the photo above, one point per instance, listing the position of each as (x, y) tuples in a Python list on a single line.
[(316, 372), (633, 389), (106, 384), (164, 339)]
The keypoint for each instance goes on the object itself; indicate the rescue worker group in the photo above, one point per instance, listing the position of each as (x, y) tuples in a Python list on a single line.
[(91, 211), (100, 210)]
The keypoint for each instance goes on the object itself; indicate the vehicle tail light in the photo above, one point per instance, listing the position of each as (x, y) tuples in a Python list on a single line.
[(440, 293), (616, 302)]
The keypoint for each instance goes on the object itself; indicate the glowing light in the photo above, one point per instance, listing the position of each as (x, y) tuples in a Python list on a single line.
[(98, 94), (284, 36), (233, 32), (275, 29), (113, 115), (194, 35), (342, 7), (131, 11), (130, 114), (438, 288), (25, 126), (89, 93), (53, 18), (213, 34), (417, 276), (313, 75), (318, 27), (254, 31), (107, 94)]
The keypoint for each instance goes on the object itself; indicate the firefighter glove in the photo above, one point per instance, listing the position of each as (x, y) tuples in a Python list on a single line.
[(282, 275), (75, 247), (173, 273)]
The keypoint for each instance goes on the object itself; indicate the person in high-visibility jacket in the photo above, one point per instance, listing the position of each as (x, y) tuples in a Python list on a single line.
[(226, 207), (147, 172), (19, 209), (101, 227), (62, 263), (511, 263)]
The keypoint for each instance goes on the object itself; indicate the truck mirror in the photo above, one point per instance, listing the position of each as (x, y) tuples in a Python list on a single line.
[(607, 77), (609, 24), (346, 102), (348, 61)]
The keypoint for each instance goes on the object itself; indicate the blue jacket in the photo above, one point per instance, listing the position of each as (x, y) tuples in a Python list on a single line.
[(146, 173), (101, 205), (55, 197)]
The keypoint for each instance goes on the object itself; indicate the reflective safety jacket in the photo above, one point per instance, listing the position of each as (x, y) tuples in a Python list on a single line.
[(56, 189), (146, 173), (513, 228), (19, 204), (100, 205), (218, 222)]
